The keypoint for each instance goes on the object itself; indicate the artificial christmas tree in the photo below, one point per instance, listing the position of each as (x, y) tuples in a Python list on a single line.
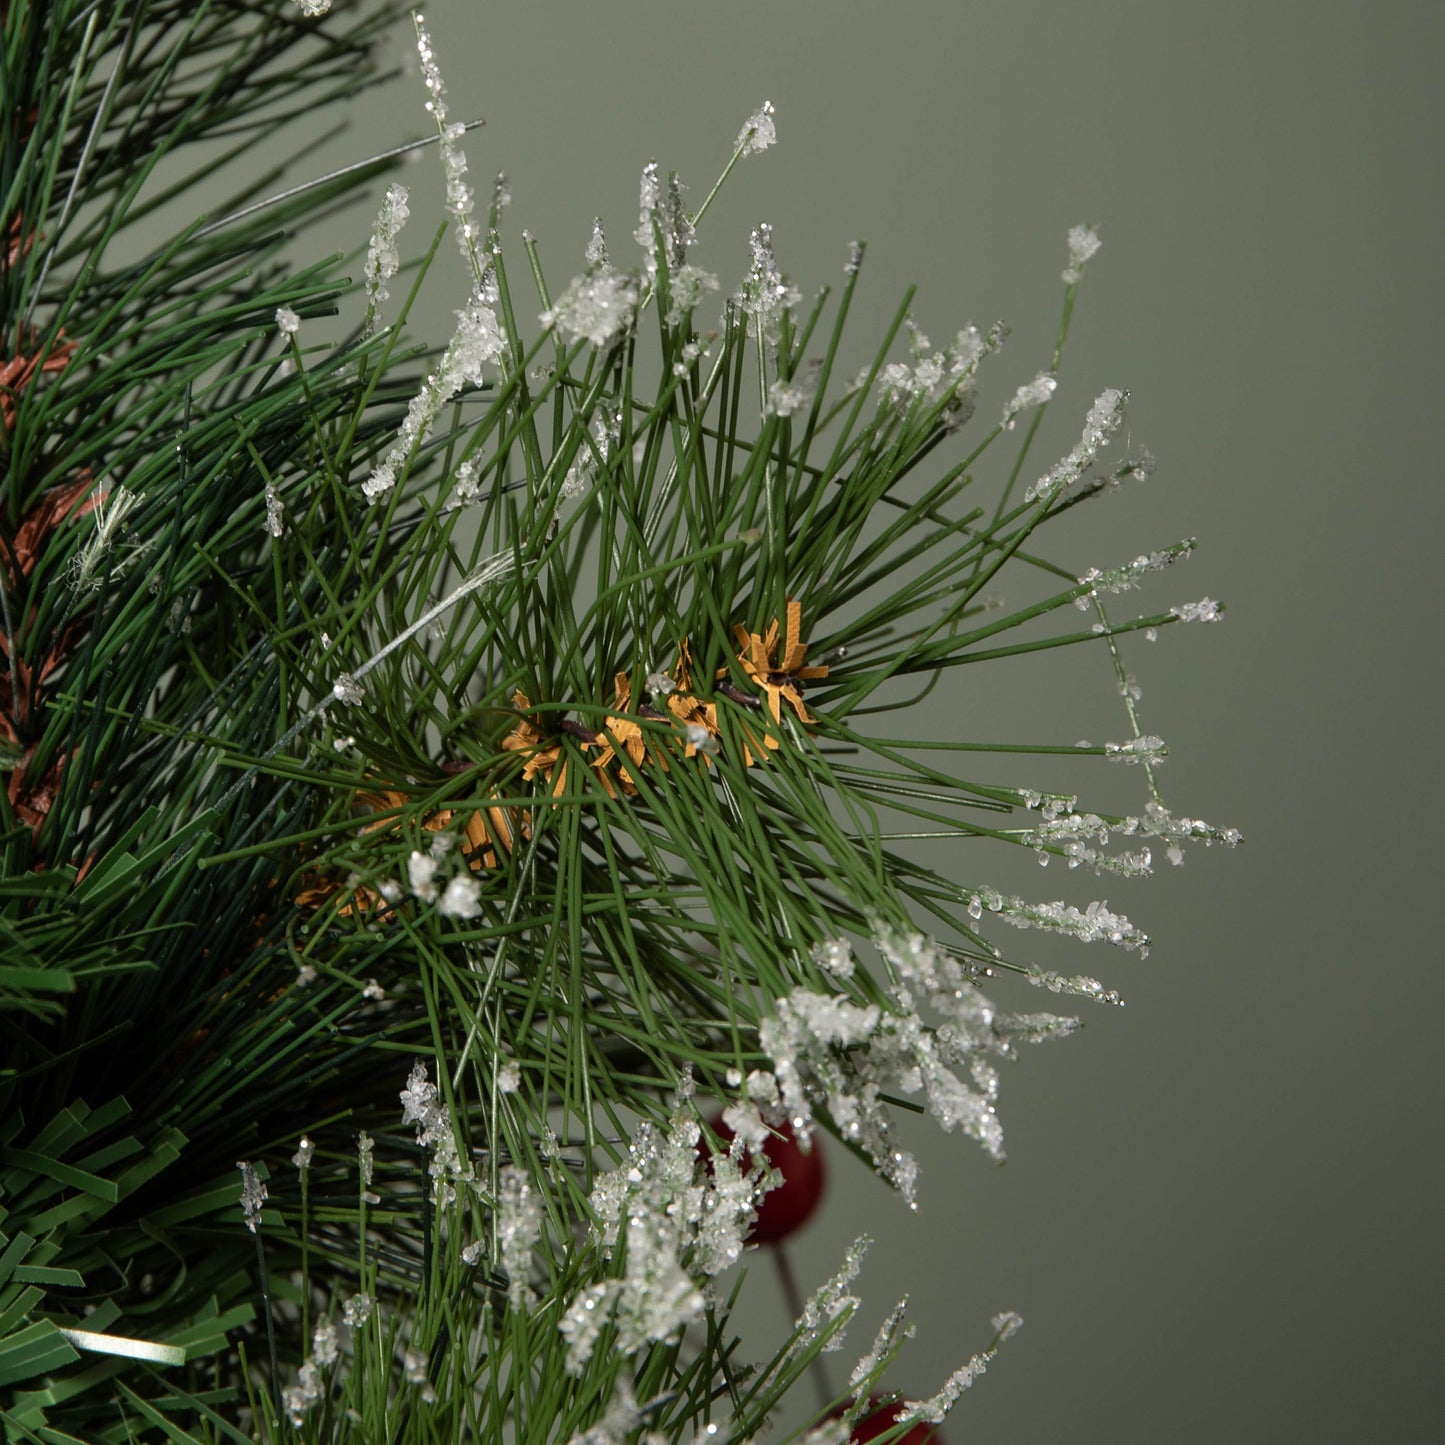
[(434, 776)]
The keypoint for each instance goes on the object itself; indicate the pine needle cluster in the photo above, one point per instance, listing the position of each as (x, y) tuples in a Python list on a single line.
[(434, 774)]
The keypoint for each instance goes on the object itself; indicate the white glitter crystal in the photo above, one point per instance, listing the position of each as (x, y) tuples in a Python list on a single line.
[(347, 689), (462, 897), (1083, 243), (383, 260), (253, 1195), (595, 307), (518, 1226), (759, 131)]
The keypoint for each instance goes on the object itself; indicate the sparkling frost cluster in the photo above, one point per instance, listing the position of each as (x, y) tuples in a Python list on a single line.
[(759, 131), (1061, 824), (689, 285), (1074, 832), (597, 307), (890, 1335), (973, 1028), (1083, 243), (1205, 610), (1093, 924), (802, 1037), (662, 216), (766, 293), (946, 376), (253, 1195), (1123, 579), (831, 1301), (934, 1410), (422, 1105), (826, 1050), (275, 511), (1104, 419), (382, 258), (1145, 749), (519, 1226), (478, 339), (465, 486), (606, 428), (1030, 394), (459, 896), (787, 398), (671, 1225), (460, 200), (299, 1398)]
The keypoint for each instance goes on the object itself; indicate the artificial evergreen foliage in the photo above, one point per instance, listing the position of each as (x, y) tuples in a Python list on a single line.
[(437, 778)]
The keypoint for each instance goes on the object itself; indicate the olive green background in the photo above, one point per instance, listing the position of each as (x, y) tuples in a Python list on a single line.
[(1220, 1215)]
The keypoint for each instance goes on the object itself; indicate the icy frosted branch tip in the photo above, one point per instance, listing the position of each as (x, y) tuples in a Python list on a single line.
[(766, 293), (787, 398), (759, 131), (596, 252), (1083, 243), (253, 1195), (1031, 393), (1145, 749), (478, 339), (1104, 419), (300, 1397), (347, 689), (275, 511), (312, 9), (1121, 579), (1205, 610), (518, 1226), (287, 321), (886, 1340), (832, 1300), (933, 1411), (1095, 924), (596, 307), (583, 1321), (466, 487), (302, 1157), (689, 285), (422, 1105), (460, 200), (383, 260)]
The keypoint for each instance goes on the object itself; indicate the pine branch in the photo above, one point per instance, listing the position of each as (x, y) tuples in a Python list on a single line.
[(482, 729)]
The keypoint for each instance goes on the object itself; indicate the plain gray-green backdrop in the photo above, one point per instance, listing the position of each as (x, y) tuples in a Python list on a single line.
[(1220, 1217)]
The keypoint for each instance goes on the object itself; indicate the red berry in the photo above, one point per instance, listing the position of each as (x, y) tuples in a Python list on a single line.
[(789, 1206)]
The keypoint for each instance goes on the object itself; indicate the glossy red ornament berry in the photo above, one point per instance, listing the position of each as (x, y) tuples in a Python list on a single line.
[(783, 1210), (880, 1418)]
